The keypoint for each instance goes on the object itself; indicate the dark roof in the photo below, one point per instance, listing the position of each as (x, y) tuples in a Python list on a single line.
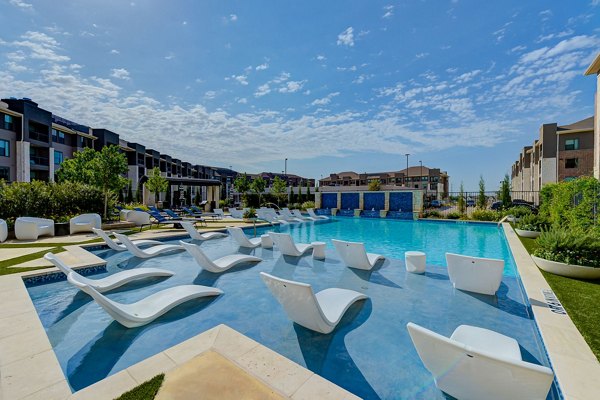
[(587, 123)]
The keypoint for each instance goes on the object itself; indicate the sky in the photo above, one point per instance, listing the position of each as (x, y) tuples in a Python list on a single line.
[(460, 85)]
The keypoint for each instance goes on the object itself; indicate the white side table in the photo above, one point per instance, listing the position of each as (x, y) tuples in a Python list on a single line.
[(266, 242), (415, 261), (319, 250)]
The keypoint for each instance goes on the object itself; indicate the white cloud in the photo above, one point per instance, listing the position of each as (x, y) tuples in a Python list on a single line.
[(421, 55), (242, 100), (184, 23), (518, 49), (467, 76), (291, 86), (567, 45), (389, 11), (39, 46), (21, 4), (233, 17), (114, 51), (262, 67), (282, 77), (262, 90), (120, 73), (346, 38), (321, 58), (169, 56), (546, 14), (557, 35), (211, 94), (241, 79), (325, 100)]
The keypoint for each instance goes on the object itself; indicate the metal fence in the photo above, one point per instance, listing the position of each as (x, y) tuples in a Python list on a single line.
[(450, 204)]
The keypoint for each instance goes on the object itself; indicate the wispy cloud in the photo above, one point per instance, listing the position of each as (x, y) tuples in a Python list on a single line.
[(325, 100), (346, 38), (115, 51), (388, 11), (120, 73), (262, 67), (21, 4)]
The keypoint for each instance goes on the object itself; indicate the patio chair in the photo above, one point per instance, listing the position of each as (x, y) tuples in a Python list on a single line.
[(298, 214), (112, 281), (173, 216), (286, 215), (311, 213), (474, 274), (160, 220), (320, 312), (139, 218), (113, 244), (242, 240), (286, 245), (191, 213), (195, 235), (354, 254), (220, 264), (237, 214), (3, 230), (477, 363), (149, 252), (30, 228), (219, 213), (149, 308), (84, 223)]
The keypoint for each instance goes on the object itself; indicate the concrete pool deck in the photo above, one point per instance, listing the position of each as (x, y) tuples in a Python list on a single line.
[(29, 369)]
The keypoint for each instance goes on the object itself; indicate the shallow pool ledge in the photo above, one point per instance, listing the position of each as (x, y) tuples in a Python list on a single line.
[(576, 367)]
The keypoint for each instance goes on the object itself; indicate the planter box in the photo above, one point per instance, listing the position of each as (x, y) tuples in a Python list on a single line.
[(527, 234), (568, 270), (61, 229)]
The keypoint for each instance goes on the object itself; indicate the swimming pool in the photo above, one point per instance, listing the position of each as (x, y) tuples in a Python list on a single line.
[(369, 354)]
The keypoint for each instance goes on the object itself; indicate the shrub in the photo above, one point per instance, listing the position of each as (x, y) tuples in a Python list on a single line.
[(454, 215), (251, 213), (131, 206), (533, 222), (223, 203), (486, 215), (307, 204), (568, 246), (517, 212), (432, 214)]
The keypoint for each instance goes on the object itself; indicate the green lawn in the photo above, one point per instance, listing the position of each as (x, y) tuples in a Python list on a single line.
[(146, 391), (580, 298)]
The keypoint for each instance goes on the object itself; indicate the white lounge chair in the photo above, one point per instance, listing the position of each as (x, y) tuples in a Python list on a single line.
[(479, 275), (237, 214), (195, 235), (354, 254), (110, 282), (139, 218), (287, 215), (477, 363), (311, 213), (219, 213), (113, 244), (149, 252), (320, 312), (242, 240), (30, 228), (286, 245), (84, 223), (148, 309), (3, 230), (219, 265), (298, 214)]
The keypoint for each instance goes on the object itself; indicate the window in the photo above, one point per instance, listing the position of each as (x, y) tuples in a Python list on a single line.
[(5, 173), (571, 162), (8, 122), (4, 148), (58, 136), (58, 157), (572, 144), (38, 131)]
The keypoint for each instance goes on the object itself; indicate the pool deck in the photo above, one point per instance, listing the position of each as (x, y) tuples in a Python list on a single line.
[(29, 368), (576, 367)]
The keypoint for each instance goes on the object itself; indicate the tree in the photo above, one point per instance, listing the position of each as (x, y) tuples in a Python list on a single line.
[(198, 197), (293, 195), (139, 193), (76, 169), (375, 185), (481, 198), (129, 198), (504, 193), (188, 195), (308, 191), (242, 185), (168, 196), (461, 200), (156, 183), (279, 188), (258, 186), (108, 167)]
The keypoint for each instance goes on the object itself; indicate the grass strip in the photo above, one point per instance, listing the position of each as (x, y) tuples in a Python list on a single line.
[(5, 266), (145, 391)]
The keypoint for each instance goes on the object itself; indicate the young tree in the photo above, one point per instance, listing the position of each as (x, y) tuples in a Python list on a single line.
[(198, 197), (108, 167), (258, 186), (168, 196), (279, 188), (504, 194), (292, 195), (129, 198), (242, 185), (461, 200), (375, 185), (156, 183), (481, 198), (76, 169), (139, 193)]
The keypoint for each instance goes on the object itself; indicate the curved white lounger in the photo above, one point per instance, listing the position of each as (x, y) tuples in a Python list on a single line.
[(121, 247), (298, 214), (148, 309), (311, 212), (355, 255), (149, 252), (286, 245), (110, 282), (319, 312), (220, 264), (477, 363), (195, 235), (240, 237), (287, 215), (475, 274)]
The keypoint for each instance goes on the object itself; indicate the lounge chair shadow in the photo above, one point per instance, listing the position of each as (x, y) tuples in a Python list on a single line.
[(527, 356), (131, 263), (374, 276), (316, 348), (284, 269), (98, 357), (247, 250), (434, 275), (79, 300), (502, 302)]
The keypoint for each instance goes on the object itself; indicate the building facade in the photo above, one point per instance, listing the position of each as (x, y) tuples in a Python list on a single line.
[(560, 154), (594, 69), (433, 181)]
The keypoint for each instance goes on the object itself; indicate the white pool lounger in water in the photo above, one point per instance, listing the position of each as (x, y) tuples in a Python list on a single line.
[(286, 245), (311, 212), (477, 363), (241, 239), (121, 247), (110, 282), (149, 252), (354, 254), (475, 274), (149, 308), (195, 235), (319, 312), (219, 265)]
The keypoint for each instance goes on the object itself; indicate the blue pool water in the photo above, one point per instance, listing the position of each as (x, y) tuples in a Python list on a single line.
[(369, 354)]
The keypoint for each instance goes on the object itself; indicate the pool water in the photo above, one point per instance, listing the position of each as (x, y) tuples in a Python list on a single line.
[(369, 353)]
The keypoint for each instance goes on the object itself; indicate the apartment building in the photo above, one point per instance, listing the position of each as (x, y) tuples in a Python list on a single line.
[(594, 69), (433, 181), (34, 142), (561, 153)]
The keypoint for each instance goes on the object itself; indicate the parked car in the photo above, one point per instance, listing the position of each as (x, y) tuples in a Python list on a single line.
[(470, 203), (497, 205), (435, 203)]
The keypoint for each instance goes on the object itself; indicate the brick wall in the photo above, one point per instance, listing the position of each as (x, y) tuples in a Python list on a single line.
[(585, 164)]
